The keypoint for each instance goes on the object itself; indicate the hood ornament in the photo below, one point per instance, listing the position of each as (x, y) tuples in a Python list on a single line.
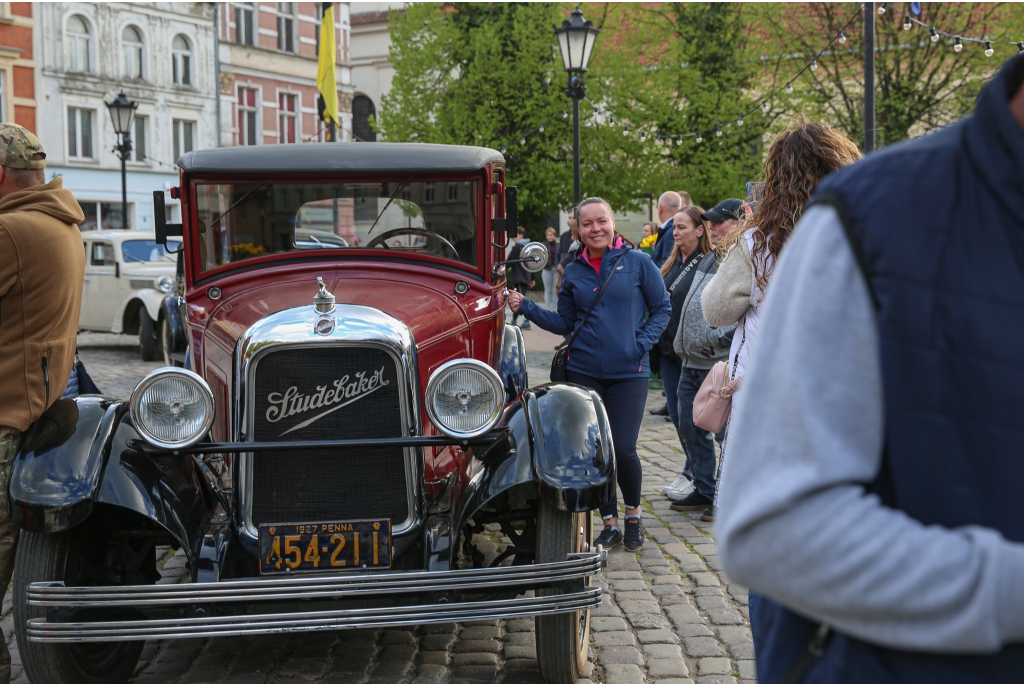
[(324, 301)]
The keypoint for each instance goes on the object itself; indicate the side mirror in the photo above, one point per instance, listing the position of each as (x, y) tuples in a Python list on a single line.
[(534, 257), (511, 220), (163, 229)]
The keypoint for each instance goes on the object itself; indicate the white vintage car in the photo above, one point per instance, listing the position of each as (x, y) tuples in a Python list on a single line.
[(127, 276)]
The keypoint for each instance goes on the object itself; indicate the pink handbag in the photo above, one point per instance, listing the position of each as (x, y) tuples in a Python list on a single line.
[(713, 402)]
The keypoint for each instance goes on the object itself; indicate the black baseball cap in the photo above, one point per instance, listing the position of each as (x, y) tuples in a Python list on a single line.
[(725, 210)]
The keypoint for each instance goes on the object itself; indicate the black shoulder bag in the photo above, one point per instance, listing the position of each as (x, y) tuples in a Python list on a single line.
[(561, 357)]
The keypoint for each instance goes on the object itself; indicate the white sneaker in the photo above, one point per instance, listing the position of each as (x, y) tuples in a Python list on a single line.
[(679, 488)]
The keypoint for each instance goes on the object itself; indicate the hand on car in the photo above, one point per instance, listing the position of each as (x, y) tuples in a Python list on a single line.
[(514, 298)]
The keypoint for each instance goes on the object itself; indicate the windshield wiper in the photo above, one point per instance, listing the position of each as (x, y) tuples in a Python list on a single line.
[(313, 238), (390, 200), (240, 201), (135, 259)]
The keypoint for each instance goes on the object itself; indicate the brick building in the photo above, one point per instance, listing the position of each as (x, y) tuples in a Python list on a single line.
[(17, 65), (268, 65)]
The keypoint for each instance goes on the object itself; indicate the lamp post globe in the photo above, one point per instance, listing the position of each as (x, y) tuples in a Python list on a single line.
[(122, 114), (576, 38)]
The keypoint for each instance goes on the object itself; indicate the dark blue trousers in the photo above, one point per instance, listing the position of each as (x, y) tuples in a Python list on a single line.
[(624, 400)]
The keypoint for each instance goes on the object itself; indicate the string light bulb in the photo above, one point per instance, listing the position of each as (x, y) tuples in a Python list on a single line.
[(958, 46), (565, 115), (881, 9), (699, 139), (522, 141), (643, 136), (988, 49), (719, 132), (789, 87), (935, 35), (625, 130), (501, 149), (739, 122), (842, 38), (814, 65), (764, 106), (1020, 48), (540, 129), (907, 24)]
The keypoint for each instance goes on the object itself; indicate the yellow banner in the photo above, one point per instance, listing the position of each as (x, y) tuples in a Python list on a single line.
[(325, 79)]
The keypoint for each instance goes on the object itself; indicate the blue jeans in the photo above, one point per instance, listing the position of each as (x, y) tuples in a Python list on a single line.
[(624, 399), (698, 443)]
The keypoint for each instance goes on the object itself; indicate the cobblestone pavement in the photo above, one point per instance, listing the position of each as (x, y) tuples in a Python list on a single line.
[(668, 614)]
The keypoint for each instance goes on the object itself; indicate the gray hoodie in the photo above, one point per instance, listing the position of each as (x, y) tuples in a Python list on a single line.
[(698, 344)]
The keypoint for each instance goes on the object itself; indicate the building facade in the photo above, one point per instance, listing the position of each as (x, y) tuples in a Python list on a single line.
[(268, 66), (162, 55), (371, 63), (17, 65)]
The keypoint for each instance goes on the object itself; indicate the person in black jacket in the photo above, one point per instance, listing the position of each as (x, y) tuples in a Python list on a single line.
[(519, 278)]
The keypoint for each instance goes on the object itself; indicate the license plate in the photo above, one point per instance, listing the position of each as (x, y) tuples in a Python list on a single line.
[(333, 546)]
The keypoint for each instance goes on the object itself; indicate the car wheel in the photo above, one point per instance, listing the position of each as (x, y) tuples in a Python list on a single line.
[(147, 336), (563, 640), (59, 557), (167, 342)]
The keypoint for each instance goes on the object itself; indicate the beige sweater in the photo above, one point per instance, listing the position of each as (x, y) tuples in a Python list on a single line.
[(726, 298)]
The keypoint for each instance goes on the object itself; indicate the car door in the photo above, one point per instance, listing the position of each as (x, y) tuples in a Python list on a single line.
[(100, 299)]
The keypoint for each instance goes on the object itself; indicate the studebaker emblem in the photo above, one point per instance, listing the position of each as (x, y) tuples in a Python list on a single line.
[(345, 391)]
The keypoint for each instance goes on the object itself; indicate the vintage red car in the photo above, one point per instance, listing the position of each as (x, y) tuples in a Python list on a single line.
[(358, 413)]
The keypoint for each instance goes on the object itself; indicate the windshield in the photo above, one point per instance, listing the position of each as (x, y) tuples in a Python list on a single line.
[(238, 221), (148, 251)]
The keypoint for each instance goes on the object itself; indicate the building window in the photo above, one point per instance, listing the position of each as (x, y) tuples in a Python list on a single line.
[(286, 26), (182, 65), (3, 96), (131, 44), (80, 133), (77, 52), (139, 141), (245, 29), (363, 112), (184, 135), (286, 118), (247, 116), (428, 192), (103, 215), (453, 192), (319, 22)]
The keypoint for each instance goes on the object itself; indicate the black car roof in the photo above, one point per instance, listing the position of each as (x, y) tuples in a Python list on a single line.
[(317, 158)]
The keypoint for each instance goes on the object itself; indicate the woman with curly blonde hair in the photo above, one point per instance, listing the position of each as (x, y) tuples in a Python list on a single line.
[(798, 159)]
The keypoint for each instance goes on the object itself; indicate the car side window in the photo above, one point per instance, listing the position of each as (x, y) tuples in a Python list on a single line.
[(102, 254)]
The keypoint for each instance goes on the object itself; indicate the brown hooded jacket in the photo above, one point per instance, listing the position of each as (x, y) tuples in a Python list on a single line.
[(42, 270)]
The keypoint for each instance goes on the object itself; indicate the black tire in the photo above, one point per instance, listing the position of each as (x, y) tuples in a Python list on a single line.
[(147, 336), (49, 558), (563, 640), (167, 342)]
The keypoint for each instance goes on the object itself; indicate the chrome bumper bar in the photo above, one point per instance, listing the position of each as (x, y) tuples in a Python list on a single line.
[(191, 597)]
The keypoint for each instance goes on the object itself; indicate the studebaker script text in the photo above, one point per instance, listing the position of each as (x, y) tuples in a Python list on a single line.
[(346, 390)]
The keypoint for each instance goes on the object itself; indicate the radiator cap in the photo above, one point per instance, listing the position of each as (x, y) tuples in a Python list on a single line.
[(324, 301)]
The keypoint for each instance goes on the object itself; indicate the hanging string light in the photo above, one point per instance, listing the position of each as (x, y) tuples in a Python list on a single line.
[(522, 141), (540, 129), (958, 46), (814, 65), (565, 115), (789, 87), (988, 49), (842, 38), (719, 132), (764, 106), (907, 24), (1020, 48), (881, 9), (739, 122), (699, 139), (935, 35)]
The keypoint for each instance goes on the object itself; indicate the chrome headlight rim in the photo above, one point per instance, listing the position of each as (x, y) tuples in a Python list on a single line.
[(168, 372), (165, 284), (489, 374)]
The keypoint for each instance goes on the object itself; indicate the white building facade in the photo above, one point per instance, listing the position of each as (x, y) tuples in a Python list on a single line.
[(371, 62), (162, 55)]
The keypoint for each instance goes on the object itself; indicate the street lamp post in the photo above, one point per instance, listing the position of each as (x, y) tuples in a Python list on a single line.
[(576, 38), (122, 113)]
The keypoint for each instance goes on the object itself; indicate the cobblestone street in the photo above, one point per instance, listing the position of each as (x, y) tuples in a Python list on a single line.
[(668, 614)]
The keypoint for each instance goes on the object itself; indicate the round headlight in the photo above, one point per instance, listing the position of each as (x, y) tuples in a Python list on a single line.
[(464, 398), (165, 283), (172, 408)]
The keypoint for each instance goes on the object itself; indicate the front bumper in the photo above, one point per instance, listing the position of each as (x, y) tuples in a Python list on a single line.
[(247, 607)]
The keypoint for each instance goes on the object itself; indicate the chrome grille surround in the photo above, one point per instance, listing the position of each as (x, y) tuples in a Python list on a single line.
[(355, 326)]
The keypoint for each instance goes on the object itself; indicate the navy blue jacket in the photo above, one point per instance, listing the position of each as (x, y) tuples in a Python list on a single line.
[(946, 271), (663, 245), (616, 337)]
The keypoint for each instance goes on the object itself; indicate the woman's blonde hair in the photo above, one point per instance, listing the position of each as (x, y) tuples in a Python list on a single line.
[(704, 244), (798, 159)]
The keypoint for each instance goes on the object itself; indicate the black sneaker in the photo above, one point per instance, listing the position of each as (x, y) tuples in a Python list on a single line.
[(608, 538), (708, 515), (692, 502), (634, 538), (659, 411)]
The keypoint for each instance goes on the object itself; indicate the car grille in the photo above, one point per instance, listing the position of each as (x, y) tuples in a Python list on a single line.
[(328, 393)]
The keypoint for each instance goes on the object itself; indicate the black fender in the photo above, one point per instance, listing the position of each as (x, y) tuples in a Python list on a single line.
[(172, 313), (512, 364), (77, 455), (559, 438)]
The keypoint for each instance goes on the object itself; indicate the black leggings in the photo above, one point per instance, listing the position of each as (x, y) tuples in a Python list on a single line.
[(624, 399)]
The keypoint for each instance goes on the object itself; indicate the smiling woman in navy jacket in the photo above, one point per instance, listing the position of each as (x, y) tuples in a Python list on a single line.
[(609, 353)]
